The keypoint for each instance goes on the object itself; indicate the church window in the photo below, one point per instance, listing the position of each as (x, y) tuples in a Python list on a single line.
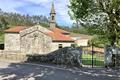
[(52, 17)]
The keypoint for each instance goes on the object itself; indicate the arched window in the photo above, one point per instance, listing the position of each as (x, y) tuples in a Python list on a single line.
[(52, 17)]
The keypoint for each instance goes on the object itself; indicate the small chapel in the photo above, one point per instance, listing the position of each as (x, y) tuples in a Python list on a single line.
[(40, 40)]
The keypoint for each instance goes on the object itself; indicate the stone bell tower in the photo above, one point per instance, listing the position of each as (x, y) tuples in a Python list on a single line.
[(52, 17)]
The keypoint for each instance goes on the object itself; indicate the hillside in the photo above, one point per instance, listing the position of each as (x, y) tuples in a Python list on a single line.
[(8, 20)]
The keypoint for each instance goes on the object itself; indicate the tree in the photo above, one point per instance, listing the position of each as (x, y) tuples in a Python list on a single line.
[(3, 23), (101, 16)]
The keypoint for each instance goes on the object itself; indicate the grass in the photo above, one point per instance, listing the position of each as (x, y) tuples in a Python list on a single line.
[(98, 59)]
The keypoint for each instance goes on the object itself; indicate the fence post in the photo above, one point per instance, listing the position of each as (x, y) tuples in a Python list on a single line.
[(92, 55)]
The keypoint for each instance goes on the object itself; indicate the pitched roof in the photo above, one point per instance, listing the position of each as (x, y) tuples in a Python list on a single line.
[(83, 36), (16, 29), (58, 30), (59, 37), (55, 33)]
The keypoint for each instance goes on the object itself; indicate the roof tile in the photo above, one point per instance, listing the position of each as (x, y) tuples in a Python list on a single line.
[(58, 30), (16, 29), (56, 33), (59, 37)]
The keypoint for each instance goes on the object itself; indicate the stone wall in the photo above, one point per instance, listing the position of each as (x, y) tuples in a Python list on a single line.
[(12, 41), (35, 41), (1, 51), (32, 40), (112, 56), (118, 60), (68, 56), (12, 56), (32, 29)]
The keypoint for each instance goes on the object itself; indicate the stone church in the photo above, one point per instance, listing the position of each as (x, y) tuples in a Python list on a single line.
[(40, 40)]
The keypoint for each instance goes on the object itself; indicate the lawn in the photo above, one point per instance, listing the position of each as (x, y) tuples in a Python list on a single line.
[(98, 59)]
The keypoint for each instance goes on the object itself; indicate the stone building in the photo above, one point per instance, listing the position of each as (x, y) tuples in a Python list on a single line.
[(80, 39), (39, 40)]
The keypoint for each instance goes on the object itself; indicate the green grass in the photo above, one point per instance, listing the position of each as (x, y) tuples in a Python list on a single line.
[(98, 60)]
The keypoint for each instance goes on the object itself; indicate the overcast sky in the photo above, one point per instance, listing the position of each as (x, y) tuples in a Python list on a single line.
[(38, 7)]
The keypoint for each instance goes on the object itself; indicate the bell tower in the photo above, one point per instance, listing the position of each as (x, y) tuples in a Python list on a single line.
[(52, 17)]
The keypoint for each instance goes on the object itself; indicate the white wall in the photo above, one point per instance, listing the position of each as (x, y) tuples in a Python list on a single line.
[(55, 45), (82, 42)]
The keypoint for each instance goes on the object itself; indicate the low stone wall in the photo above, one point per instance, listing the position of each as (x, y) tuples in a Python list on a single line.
[(112, 56), (68, 56), (117, 60), (12, 55), (1, 51)]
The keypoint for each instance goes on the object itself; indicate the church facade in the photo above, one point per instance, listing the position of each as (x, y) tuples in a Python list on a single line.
[(37, 39)]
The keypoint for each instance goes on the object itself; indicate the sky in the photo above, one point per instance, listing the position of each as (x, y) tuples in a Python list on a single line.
[(39, 7)]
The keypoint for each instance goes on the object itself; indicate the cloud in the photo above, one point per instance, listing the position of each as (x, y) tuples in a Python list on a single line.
[(62, 10), (38, 7)]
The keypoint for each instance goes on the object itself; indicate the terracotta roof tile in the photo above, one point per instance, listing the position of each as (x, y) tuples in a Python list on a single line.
[(55, 33), (16, 29), (59, 37), (58, 30)]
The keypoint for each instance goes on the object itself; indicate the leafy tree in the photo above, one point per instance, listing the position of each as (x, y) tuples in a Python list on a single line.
[(14, 19), (3, 23), (99, 16)]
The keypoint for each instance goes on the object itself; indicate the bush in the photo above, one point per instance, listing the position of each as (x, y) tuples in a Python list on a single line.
[(65, 56)]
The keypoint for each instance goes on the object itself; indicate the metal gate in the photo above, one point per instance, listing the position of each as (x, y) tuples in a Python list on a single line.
[(93, 56)]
